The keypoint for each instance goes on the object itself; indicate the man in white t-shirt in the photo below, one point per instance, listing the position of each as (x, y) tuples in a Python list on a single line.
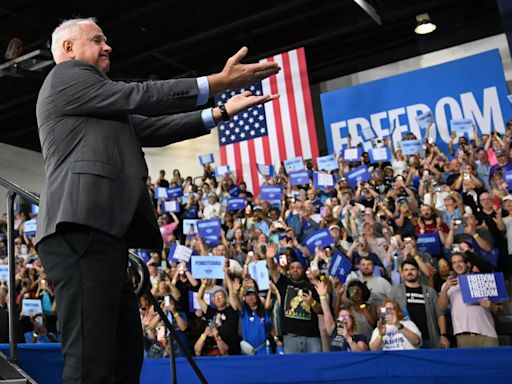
[(473, 325), (378, 286)]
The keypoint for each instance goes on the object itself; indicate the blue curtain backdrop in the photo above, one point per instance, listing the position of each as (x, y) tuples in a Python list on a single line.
[(490, 365)]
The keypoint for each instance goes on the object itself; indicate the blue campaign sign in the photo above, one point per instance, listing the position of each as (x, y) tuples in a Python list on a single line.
[(179, 253), (508, 178), (360, 173), (160, 193), (327, 163), (425, 119), (221, 170), (171, 206), (234, 190), (478, 286), (173, 193), (209, 230), (207, 267), (35, 209), (266, 170), (411, 147), (470, 88), (29, 227), (295, 164), (321, 238), (323, 180), (271, 192), (380, 154), (429, 243), (143, 254), (193, 305), (462, 126), (340, 266), (351, 154), (235, 203), (206, 159), (299, 178)]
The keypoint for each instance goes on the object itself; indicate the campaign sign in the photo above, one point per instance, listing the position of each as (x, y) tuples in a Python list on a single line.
[(29, 227), (221, 170), (368, 133), (234, 191), (174, 193), (143, 254), (271, 192), (360, 173), (259, 272), (4, 272), (207, 267), (190, 227), (411, 147), (429, 243), (266, 170), (209, 230), (206, 159), (340, 266), (35, 209), (299, 178), (380, 154), (425, 119), (193, 304), (179, 253), (321, 238), (473, 87), (351, 154), (31, 307), (235, 203), (160, 193), (476, 286), (323, 180), (462, 126), (171, 206), (508, 178), (327, 163), (295, 164)]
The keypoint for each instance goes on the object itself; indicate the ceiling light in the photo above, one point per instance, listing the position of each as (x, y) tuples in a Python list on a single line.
[(425, 25)]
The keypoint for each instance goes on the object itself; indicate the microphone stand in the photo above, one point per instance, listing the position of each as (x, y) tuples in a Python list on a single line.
[(143, 288)]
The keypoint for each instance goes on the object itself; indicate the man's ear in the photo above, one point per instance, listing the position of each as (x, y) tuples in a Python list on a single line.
[(67, 46)]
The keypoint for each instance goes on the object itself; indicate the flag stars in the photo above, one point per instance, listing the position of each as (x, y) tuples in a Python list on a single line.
[(255, 113), (246, 128), (246, 115), (241, 123), (231, 125), (233, 137), (258, 93), (262, 130), (251, 120), (224, 96), (235, 117), (256, 125), (260, 118), (252, 133), (237, 130), (242, 135), (252, 88)]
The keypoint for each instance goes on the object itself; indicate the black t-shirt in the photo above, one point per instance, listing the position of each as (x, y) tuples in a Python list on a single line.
[(416, 308), (185, 287), (338, 343), (226, 322), (297, 316)]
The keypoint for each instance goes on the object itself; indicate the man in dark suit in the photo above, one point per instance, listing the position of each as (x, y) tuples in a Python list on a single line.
[(94, 203)]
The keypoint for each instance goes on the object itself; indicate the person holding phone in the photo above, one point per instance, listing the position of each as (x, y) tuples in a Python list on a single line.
[(473, 325), (394, 331)]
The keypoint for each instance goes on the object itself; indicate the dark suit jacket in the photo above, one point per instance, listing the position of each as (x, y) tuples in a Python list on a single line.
[(91, 131)]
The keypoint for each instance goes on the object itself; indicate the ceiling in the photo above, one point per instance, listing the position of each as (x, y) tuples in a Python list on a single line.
[(167, 39)]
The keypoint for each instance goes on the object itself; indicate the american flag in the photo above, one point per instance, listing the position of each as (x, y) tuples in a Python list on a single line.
[(278, 130)]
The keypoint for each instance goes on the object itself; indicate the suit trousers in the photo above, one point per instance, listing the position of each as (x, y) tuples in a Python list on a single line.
[(97, 309)]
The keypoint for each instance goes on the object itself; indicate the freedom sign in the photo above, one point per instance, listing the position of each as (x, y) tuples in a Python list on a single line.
[(476, 286), (470, 88), (209, 230), (321, 238), (340, 266)]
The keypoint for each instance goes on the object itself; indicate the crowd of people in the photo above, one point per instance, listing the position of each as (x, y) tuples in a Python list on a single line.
[(398, 294)]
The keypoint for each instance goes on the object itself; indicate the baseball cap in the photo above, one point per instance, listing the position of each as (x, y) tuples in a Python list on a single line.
[(508, 197), (334, 226), (500, 152), (249, 291)]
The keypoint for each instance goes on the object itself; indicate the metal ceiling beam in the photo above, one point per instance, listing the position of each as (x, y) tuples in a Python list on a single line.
[(369, 10)]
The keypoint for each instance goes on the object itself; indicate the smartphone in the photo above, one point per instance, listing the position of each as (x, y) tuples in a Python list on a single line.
[(393, 241), (314, 265), (426, 172), (160, 333), (167, 300), (283, 261), (452, 274), (383, 313), (323, 211), (211, 324), (39, 320), (164, 264), (466, 177)]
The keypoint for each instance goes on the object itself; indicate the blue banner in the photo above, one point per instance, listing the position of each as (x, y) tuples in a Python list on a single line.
[(340, 266), (271, 192), (470, 88), (358, 174), (327, 163), (321, 238), (173, 193), (179, 253), (478, 286), (351, 154), (429, 243), (35, 209), (235, 203), (295, 164), (171, 206), (207, 267), (221, 170), (160, 193), (323, 180), (29, 227), (299, 178), (462, 127), (380, 154), (234, 191), (508, 179), (209, 230)]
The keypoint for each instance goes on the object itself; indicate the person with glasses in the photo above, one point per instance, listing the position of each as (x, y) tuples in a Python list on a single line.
[(394, 332)]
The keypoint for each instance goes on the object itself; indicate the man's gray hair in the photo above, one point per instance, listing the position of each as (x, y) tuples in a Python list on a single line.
[(68, 29)]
